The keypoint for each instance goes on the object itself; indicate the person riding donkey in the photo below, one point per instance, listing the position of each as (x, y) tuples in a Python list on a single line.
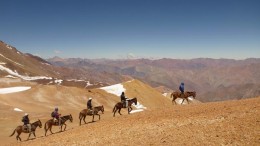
[(123, 99), (181, 88), (56, 116), (26, 122)]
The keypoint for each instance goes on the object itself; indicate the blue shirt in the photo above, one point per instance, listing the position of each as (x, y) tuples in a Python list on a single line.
[(181, 88)]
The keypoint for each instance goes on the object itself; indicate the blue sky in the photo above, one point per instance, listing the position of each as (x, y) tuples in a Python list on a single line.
[(181, 29)]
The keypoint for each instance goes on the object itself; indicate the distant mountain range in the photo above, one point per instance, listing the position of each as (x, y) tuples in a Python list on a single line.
[(212, 79)]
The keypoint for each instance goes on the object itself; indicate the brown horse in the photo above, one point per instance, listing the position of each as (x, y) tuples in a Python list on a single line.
[(119, 105), (85, 112), (177, 94), (20, 129), (48, 125)]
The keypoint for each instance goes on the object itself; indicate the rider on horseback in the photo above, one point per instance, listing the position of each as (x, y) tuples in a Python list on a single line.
[(123, 99), (26, 122), (181, 88), (56, 115), (89, 104)]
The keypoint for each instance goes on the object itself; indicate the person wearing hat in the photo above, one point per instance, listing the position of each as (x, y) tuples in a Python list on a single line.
[(89, 103), (26, 122), (181, 88)]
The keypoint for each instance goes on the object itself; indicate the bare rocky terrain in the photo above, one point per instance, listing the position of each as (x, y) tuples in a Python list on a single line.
[(213, 79), (220, 123), (231, 122)]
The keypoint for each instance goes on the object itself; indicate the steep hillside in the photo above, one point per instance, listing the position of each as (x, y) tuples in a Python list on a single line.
[(24, 64), (40, 100), (27, 67), (219, 123)]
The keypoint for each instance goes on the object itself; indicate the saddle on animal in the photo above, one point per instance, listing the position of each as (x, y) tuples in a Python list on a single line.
[(125, 104), (90, 112), (25, 128), (56, 121)]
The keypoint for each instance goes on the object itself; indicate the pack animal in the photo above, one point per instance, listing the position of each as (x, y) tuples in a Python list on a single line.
[(119, 105), (22, 129), (184, 96), (86, 112)]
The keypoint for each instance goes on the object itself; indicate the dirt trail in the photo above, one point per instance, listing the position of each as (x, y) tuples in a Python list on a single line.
[(219, 123)]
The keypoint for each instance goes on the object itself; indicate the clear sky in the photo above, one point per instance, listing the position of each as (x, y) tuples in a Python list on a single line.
[(141, 28)]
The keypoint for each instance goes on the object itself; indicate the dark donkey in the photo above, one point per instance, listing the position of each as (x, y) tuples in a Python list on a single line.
[(85, 112), (48, 125), (178, 94), (119, 105), (20, 129)]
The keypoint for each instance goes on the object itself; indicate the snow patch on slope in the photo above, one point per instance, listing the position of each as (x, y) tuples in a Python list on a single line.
[(13, 89), (117, 89), (23, 77)]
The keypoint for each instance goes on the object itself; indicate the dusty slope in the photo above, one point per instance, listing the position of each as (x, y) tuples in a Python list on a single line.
[(219, 123), (40, 100)]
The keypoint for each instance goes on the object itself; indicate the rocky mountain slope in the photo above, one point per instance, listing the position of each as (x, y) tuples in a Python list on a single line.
[(40, 100), (27, 67), (68, 86), (213, 79), (219, 123)]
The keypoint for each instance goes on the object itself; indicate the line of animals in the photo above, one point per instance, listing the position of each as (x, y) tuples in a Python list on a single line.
[(82, 115), (62, 120)]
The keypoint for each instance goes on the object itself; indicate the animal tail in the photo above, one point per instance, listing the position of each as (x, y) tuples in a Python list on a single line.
[(114, 109), (45, 126), (12, 133), (79, 115), (171, 96)]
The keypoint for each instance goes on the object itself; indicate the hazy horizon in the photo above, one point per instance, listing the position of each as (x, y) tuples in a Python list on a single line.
[(117, 29)]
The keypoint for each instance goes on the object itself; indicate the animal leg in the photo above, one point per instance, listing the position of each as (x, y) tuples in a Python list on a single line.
[(80, 121), (65, 127), (46, 131), (119, 111), (85, 119), (50, 129), (29, 135), (18, 137), (188, 101), (115, 112), (182, 101), (129, 110), (93, 118)]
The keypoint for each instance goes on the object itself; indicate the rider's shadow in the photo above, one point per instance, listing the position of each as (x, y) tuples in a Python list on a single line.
[(89, 122), (28, 139)]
